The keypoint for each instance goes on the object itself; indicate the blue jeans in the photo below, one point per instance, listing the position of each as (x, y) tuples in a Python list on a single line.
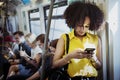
[(23, 70)]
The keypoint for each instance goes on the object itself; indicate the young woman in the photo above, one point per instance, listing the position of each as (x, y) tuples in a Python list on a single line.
[(82, 18)]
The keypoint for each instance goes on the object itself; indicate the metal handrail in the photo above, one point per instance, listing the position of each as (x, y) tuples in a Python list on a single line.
[(45, 50)]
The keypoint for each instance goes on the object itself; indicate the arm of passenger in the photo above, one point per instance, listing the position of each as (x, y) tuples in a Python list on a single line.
[(98, 60), (34, 62), (14, 61), (58, 60), (34, 76)]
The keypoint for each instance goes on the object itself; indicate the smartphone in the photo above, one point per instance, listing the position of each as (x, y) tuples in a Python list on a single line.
[(89, 50)]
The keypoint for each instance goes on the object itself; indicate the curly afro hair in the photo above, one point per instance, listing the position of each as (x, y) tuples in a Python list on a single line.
[(76, 12)]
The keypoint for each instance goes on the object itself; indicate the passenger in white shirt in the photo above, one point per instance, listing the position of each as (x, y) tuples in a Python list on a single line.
[(35, 57)]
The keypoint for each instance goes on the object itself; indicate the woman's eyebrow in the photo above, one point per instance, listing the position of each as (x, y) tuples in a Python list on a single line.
[(86, 24)]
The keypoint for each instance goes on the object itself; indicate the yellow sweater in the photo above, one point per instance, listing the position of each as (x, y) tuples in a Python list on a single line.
[(81, 67)]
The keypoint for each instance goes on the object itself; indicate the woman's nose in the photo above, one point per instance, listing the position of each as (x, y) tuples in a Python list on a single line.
[(81, 28)]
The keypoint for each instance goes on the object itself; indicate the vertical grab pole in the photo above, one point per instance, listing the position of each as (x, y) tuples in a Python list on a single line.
[(45, 50)]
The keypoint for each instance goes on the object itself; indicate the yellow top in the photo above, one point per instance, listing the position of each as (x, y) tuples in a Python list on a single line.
[(81, 67)]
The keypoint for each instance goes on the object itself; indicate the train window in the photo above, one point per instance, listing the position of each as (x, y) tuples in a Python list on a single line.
[(34, 15), (57, 28), (35, 27), (58, 25), (57, 11), (34, 21)]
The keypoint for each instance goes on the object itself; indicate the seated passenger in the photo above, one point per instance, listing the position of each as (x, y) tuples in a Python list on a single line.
[(20, 44), (52, 48), (6, 54), (33, 61)]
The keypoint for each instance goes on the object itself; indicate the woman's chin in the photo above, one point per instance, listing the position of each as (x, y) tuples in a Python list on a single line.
[(82, 34)]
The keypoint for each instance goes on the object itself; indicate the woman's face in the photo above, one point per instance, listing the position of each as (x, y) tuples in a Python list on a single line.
[(80, 30), (41, 45)]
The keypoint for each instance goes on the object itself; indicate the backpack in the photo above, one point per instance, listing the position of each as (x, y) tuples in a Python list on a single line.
[(60, 73)]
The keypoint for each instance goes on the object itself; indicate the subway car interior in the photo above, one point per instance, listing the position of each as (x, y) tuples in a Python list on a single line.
[(46, 17)]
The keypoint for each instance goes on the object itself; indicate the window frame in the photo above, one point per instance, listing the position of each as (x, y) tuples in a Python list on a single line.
[(32, 19)]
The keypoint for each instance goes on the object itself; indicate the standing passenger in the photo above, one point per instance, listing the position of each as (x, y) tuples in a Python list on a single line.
[(81, 64)]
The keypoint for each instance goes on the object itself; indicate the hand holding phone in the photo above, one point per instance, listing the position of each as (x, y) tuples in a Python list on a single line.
[(89, 50)]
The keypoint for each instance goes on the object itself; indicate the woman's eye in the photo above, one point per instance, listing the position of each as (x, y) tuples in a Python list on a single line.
[(86, 26)]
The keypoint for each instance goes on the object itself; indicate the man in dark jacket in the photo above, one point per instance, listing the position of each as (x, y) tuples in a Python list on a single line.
[(21, 43)]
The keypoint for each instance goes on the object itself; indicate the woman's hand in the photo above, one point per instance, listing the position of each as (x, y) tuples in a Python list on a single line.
[(79, 54)]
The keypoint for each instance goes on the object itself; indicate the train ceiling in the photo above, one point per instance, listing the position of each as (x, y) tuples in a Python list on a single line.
[(10, 5)]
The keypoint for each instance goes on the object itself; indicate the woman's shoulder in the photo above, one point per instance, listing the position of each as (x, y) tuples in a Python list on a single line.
[(92, 35), (63, 35)]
